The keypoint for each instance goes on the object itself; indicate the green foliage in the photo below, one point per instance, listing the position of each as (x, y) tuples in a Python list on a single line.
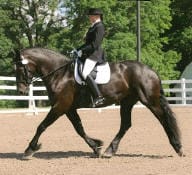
[(180, 34), (25, 24), (120, 23), (120, 46), (60, 41), (155, 20)]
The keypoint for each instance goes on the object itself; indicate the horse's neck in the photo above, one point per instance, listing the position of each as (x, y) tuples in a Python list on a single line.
[(50, 70), (55, 77), (45, 68)]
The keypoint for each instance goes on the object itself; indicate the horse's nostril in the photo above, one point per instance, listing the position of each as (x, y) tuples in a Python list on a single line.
[(20, 92)]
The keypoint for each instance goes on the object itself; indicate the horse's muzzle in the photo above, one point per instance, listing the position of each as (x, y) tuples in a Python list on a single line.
[(23, 90)]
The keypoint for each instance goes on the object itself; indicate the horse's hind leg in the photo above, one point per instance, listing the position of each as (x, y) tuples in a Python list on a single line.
[(164, 114), (95, 144), (33, 146), (125, 112)]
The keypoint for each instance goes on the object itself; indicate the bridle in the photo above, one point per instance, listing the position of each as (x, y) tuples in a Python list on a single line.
[(29, 79)]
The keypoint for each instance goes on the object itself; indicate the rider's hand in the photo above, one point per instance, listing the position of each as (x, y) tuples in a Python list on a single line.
[(77, 52)]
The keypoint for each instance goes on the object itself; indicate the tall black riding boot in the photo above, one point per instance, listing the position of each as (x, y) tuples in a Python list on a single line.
[(99, 100)]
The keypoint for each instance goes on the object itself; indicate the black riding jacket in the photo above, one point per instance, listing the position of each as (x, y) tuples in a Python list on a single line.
[(92, 48)]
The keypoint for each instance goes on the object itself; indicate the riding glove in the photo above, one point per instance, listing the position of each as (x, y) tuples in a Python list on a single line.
[(77, 52)]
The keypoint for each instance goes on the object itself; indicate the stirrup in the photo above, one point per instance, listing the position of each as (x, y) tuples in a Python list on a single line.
[(98, 101)]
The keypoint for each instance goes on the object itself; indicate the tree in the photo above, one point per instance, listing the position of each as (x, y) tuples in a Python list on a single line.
[(180, 34), (120, 23), (29, 23), (26, 23)]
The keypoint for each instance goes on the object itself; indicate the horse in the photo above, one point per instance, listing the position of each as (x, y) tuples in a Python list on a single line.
[(130, 82)]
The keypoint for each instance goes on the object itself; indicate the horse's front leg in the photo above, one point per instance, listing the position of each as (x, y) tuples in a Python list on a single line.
[(51, 117), (95, 144)]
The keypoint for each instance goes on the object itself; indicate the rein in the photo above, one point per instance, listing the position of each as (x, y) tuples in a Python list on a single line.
[(50, 73)]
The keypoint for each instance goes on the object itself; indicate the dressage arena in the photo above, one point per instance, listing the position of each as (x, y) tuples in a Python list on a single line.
[(144, 150)]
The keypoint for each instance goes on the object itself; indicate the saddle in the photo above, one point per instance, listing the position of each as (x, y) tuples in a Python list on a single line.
[(101, 73)]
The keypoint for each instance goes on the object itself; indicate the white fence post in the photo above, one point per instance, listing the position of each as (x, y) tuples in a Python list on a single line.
[(32, 106), (183, 93)]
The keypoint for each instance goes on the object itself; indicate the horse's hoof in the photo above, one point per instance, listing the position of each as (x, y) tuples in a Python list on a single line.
[(29, 152), (107, 155), (180, 153), (99, 151), (26, 157)]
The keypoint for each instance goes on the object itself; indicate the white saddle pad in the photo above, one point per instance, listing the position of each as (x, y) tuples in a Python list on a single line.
[(102, 76)]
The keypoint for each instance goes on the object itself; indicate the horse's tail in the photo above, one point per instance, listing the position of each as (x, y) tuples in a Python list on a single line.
[(170, 122)]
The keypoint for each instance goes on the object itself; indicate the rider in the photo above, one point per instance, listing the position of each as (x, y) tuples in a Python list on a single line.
[(92, 53)]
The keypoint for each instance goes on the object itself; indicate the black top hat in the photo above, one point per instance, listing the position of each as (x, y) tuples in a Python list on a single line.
[(95, 11)]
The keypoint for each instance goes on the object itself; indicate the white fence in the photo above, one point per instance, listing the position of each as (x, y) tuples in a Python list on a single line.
[(181, 91), (30, 97)]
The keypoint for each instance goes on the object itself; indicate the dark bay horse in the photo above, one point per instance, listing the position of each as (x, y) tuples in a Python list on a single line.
[(130, 82)]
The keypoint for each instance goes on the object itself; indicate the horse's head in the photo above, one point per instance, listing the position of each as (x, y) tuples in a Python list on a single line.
[(24, 74), (36, 61)]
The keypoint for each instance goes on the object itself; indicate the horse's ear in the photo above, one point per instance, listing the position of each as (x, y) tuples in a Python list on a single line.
[(24, 61)]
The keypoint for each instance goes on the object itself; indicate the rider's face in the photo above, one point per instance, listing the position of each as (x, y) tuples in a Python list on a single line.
[(93, 18)]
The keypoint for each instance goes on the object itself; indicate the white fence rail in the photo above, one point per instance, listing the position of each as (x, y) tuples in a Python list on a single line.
[(181, 92)]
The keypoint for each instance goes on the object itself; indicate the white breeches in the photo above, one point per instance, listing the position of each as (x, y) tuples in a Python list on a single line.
[(88, 67)]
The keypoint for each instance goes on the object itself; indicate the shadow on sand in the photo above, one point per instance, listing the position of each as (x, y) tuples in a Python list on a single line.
[(68, 154), (48, 155), (144, 156)]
